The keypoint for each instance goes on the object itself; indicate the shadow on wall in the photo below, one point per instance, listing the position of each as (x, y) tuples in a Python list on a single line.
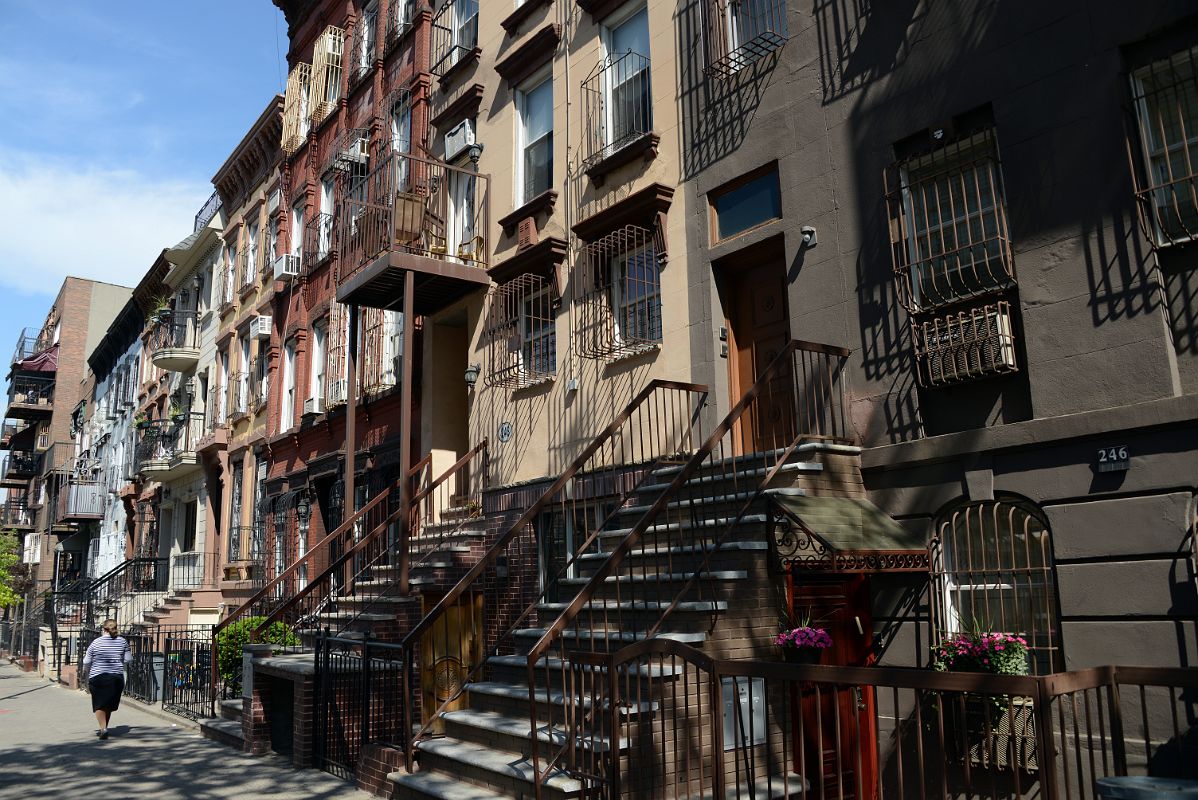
[(860, 41)]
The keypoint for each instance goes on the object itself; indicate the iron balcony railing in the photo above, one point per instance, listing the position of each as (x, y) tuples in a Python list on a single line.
[(31, 390), (454, 35), (207, 211), (178, 330), (238, 401), (21, 463), (617, 99), (416, 205), (164, 440), (80, 498), (15, 513), (741, 32), (10, 429), (193, 570), (31, 342)]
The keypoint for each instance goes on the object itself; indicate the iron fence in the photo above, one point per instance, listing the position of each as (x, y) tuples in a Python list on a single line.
[(187, 658), (176, 330), (359, 697)]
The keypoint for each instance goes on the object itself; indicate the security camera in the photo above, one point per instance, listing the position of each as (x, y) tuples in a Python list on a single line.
[(809, 238)]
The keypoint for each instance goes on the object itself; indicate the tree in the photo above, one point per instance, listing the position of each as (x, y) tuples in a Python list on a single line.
[(12, 572)]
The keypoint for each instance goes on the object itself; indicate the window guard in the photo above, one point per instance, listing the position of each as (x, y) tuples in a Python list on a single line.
[(618, 105), (520, 333), (327, 57), (964, 346), (618, 300), (741, 32), (453, 41)]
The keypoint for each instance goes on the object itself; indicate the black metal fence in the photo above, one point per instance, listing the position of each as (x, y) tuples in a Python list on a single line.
[(360, 697)]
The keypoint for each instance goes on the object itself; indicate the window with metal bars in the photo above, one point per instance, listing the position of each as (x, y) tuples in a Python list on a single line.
[(742, 32), (382, 347), (399, 20), (965, 345), (948, 224), (993, 570), (326, 72), (1165, 159), (618, 307), (336, 372), (521, 332), (296, 108), (363, 46), (454, 34)]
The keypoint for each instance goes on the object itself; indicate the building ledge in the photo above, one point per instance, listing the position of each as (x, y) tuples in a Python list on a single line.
[(643, 145), (530, 56), (512, 22), (541, 204)]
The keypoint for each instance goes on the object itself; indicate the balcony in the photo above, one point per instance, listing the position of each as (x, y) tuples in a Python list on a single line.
[(20, 466), (418, 216), (10, 430), (30, 397), (619, 114), (15, 514), (175, 341), (318, 242), (80, 499), (31, 342), (167, 449), (238, 401)]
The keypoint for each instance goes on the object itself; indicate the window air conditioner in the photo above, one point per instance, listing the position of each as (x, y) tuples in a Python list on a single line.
[(356, 153), (458, 139), (260, 327), (272, 204), (969, 345), (338, 391), (286, 266), (313, 405)]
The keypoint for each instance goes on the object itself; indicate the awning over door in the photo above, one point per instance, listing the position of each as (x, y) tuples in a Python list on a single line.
[(842, 534)]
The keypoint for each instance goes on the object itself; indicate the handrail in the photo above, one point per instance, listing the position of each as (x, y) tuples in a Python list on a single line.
[(610, 435), (359, 546), (781, 365)]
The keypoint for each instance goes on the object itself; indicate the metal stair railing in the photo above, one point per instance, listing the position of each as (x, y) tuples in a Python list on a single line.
[(656, 427)]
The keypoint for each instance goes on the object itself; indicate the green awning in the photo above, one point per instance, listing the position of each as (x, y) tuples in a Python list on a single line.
[(849, 524)]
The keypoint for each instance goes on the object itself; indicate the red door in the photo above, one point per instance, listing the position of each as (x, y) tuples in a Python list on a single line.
[(838, 723)]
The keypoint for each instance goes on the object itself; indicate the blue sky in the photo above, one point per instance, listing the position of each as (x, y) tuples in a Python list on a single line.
[(114, 115)]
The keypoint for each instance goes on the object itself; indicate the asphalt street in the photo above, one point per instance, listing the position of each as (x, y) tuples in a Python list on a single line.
[(49, 749)]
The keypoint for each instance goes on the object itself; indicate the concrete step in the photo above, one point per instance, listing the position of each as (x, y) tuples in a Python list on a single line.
[(513, 697), (658, 550), (231, 710), (493, 769), (225, 731), (513, 669), (665, 577), (753, 475), (708, 525), (508, 731), (704, 505), (608, 636), (438, 786)]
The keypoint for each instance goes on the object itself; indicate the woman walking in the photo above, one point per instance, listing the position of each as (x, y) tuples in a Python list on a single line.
[(104, 664)]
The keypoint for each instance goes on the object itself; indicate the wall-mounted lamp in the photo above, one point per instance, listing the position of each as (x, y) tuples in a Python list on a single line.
[(474, 151), (471, 375), (303, 509), (809, 236)]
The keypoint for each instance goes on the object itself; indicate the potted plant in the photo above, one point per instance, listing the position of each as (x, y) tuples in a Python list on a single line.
[(178, 413), (804, 644), (996, 730), (141, 421)]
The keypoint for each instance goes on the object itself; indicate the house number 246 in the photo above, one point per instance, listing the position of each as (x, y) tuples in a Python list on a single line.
[(1115, 458)]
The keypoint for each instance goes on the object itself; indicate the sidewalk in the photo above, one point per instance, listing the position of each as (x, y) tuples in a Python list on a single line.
[(49, 749)]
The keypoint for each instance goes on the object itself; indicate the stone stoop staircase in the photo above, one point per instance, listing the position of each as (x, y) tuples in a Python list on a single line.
[(485, 751)]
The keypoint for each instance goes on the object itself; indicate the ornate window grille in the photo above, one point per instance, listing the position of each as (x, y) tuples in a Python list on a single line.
[(455, 34), (742, 32), (521, 332), (965, 345), (239, 394), (993, 569), (398, 129), (326, 72), (1165, 158), (617, 99), (259, 381), (948, 224), (618, 305), (382, 347), (247, 274), (336, 388), (296, 108)]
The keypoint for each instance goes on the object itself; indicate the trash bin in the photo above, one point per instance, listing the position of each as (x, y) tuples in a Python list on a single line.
[(1141, 787)]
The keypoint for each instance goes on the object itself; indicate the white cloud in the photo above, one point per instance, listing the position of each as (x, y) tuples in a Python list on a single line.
[(58, 218)]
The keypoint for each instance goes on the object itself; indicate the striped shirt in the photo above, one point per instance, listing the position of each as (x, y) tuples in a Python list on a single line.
[(107, 654)]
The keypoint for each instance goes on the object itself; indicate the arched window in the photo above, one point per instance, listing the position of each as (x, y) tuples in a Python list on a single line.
[(993, 570)]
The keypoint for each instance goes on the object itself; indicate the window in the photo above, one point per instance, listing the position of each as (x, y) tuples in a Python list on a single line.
[(521, 332), (235, 513), (364, 41), (191, 511), (462, 211), (222, 363), (287, 400), (259, 531), (297, 229), (229, 278), (401, 137), (534, 160), (949, 225), (316, 385), (382, 346), (325, 234), (243, 373), (272, 242), (296, 108), (326, 72), (746, 203), (993, 569), (619, 308), (750, 31), (251, 261), (399, 19), (1165, 96), (455, 34), (465, 24), (336, 371), (629, 109)]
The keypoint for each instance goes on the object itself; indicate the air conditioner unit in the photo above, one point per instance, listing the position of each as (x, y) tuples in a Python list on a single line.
[(968, 345), (260, 326), (286, 267), (338, 392), (313, 405), (272, 204), (458, 138), (356, 153)]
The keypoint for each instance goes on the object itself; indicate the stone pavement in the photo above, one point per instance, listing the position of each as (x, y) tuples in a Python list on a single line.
[(49, 749)]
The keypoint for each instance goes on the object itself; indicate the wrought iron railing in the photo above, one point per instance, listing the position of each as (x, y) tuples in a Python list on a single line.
[(318, 241), (31, 342), (215, 410), (207, 211), (10, 429), (238, 401), (259, 382), (178, 330), (15, 513), (194, 570), (31, 390), (362, 46), (454, 34), (618, 104), (416, 205), (21, 463), (80, 498), (399, 20), (163, 440), (247, 268), (740, 33)]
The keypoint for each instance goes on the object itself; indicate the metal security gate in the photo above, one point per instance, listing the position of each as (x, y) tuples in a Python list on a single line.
[(359, 701), (186, 653)]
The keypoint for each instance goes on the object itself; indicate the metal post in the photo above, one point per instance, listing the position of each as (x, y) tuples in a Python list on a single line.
[(351, 419), (405, 430)]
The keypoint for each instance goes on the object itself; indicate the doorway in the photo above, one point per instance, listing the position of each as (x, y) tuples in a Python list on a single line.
[(449, 650), (840, 733), (758, 324)]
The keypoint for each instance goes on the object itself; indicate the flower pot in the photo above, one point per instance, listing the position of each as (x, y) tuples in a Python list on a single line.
[(801, 655), (178, 418)]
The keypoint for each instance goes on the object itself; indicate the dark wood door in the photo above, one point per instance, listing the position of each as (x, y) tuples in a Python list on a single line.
[(758, 328), (838, 723), (449, 651)]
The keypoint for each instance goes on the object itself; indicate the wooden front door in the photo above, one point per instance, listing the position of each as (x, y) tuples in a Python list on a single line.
[(838, 723), (758, 329), (449, 650)]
